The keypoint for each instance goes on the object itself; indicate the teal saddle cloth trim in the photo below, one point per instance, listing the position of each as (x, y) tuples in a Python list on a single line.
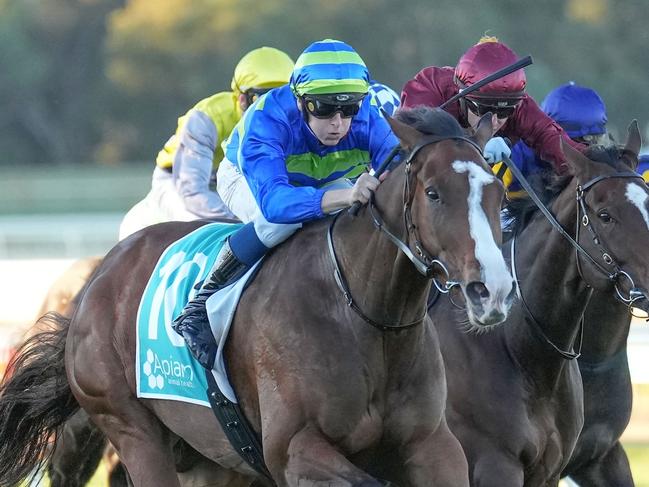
[(165, 369)]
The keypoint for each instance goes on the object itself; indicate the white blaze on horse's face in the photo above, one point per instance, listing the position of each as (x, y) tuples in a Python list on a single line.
[(637, 195), (495, 273)]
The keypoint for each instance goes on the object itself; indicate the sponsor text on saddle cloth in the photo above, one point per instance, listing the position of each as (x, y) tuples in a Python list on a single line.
[(165, 367)]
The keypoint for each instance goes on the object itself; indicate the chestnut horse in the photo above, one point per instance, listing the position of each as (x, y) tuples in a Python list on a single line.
[(329, 394), (515, 398)]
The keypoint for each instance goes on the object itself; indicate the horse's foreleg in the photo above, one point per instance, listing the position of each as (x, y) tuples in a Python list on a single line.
[(310, 460), (436, 460), (612, 469)]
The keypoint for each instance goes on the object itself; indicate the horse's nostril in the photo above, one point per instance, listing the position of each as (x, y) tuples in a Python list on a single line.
[(477, 291)]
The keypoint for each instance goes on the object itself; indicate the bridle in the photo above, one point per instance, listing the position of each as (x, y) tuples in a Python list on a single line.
[(635, 294), (423, 262), (583, 219)]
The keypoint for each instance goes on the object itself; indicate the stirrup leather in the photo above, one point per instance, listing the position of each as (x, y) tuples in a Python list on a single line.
[(193, 323)]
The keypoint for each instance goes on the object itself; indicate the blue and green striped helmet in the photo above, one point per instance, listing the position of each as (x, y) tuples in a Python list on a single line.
[(329, 67)]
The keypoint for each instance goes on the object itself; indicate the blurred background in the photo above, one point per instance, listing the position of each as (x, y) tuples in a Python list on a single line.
[(91, 89)]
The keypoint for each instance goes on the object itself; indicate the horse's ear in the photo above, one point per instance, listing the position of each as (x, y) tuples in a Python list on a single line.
[(483, 131), (633, 142), (576, 160), (407, 135)]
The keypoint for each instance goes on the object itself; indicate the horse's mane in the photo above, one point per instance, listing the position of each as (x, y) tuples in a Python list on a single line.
[(548, 185), (431, 121)]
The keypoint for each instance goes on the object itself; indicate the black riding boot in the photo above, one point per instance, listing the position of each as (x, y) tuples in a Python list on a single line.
[(192, 323)]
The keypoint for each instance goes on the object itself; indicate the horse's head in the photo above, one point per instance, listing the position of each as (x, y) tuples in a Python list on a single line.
[(613, 218), (452, 210)]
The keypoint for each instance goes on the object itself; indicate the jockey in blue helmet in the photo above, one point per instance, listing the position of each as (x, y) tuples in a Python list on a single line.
[(292, 159), (580, 111)]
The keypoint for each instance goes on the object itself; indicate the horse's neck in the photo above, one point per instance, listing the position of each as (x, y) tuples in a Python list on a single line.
[(553, 290), (606, 327), (383, 282)]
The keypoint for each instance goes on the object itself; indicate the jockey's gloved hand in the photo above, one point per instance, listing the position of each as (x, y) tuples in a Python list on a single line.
[(363, 188), (496, 149)]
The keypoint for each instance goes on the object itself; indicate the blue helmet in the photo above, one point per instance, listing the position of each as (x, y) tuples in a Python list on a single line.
[(579, 110)]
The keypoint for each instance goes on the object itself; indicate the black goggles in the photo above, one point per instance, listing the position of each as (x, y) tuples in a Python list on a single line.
[(322, 109), (253, 94), (501, 111)]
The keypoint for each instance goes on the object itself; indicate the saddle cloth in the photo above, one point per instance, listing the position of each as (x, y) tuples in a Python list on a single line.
[(165, 369)]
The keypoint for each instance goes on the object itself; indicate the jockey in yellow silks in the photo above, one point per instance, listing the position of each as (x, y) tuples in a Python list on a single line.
[(185, 172)]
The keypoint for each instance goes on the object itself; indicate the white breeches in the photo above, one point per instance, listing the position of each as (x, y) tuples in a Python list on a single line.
[(235, 192), (161, 204)]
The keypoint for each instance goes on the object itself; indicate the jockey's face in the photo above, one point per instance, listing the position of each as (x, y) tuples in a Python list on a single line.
[(501, 110), (249, 97), (243, 102), (496, 122), (329, 131)]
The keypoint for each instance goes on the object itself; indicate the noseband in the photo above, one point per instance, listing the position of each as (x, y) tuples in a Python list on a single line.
[(423, 262)]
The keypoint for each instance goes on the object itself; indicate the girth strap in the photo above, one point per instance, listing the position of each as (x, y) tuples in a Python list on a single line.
[(236, 427)]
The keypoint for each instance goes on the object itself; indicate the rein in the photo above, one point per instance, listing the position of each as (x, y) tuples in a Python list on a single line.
[(582, 218), (635, 294), (344, 287), (423, 262), (568, 355)]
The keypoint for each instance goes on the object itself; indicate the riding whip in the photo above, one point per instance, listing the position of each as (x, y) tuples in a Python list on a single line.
[(521, 63)]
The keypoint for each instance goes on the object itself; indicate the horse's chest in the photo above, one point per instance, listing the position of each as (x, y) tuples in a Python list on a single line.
[(543, 458), (551, 438), (364, 432)]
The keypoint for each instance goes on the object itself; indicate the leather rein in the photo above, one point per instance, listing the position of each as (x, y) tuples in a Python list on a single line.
[(635, 293), (423, 262)]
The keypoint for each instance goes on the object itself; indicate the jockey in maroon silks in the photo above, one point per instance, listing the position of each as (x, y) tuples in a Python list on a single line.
[(516, 115)]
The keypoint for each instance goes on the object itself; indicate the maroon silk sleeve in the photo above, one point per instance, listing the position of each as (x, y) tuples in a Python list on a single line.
[(539, 132), (431, 87)]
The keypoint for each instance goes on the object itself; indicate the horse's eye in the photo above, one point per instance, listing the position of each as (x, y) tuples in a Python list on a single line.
[(604, 216), (432, 195)]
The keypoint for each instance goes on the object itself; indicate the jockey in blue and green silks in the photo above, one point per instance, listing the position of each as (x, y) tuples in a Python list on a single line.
[(187, 164), (291, 159)]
